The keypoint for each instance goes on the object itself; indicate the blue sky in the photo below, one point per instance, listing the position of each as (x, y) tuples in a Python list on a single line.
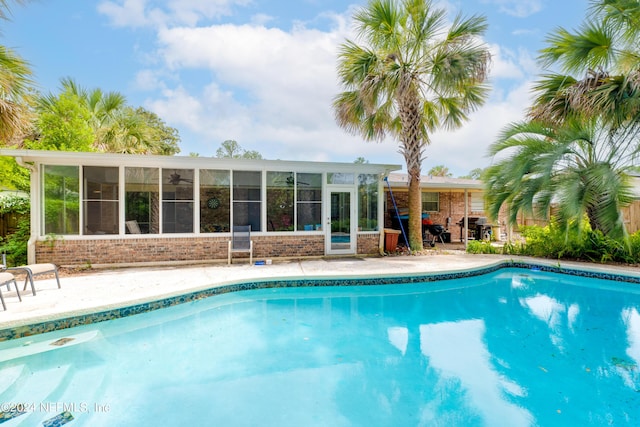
[(262, 72)]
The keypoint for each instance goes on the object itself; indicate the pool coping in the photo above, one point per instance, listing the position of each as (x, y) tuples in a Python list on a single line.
[(125, 309)]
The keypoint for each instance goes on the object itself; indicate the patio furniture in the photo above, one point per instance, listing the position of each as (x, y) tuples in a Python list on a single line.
[(31, 271), (133, 227), (240, 242), (5, 279)]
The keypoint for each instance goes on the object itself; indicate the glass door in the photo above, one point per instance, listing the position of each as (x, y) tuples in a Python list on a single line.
[(341, 236)]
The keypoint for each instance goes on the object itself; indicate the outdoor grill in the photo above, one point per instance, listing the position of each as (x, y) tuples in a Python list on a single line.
[(435, 231)]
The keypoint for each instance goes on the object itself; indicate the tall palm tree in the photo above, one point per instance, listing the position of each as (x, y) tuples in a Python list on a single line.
[(599, 67), (580, 166), (410, 73), (584, 135), (16, 118), (15, 96)]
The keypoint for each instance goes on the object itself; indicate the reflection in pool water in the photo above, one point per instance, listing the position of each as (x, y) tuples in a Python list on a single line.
[(510, 348)]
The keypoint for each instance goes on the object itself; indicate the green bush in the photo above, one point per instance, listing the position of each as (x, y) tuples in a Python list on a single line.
[(481, 247), (15, 244), (588, 245)]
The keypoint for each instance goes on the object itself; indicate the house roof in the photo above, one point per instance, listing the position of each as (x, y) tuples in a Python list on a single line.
[(398, 180)]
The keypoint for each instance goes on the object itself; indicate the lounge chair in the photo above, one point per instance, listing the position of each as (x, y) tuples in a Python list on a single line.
[(240, 242), (133, 227), (5, 279), (31, 271)]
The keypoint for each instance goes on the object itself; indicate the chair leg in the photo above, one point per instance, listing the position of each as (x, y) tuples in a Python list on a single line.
[(29, 279), (2, 300), (15, 285), (57, 278)]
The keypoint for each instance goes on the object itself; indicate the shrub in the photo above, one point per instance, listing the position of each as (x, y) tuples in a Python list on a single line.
[(481, 247), (588, 245), (15, 244)]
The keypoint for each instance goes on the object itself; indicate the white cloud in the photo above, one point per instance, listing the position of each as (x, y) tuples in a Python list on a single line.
[(129, 13), (148, 80), (504, 64), (271, 90), (140, 13), (518, 8)]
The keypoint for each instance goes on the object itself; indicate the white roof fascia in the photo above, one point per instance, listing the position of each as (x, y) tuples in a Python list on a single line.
[(397, 180), (138, 160)]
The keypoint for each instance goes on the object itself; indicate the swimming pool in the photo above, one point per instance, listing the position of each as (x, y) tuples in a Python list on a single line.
[(514, 347)]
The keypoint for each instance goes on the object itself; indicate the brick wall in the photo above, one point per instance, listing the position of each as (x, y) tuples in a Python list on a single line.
[(163, 249), (451, 204), (368, 244)]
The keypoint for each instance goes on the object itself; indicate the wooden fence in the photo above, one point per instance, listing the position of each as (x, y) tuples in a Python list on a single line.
[(631, 218)]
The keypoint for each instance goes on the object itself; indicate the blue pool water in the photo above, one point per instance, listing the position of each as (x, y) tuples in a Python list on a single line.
[(511, 348)]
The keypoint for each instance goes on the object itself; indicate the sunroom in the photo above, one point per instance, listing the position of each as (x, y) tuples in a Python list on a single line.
[(105, 209)]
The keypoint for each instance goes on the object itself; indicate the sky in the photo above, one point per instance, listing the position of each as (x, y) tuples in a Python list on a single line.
[(263, 72)]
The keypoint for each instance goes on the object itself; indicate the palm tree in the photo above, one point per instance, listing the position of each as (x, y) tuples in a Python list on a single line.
[(440, 170), (601, 62), (5, 10), (412, 74), (15, 96), (580, 166), (117, 127), (583, 137), (104, 109)]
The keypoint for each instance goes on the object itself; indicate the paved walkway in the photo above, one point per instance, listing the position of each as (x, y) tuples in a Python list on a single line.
[(103, 289)]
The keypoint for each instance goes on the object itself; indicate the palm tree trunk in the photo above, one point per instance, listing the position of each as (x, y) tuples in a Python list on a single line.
[(413, 146), (415, 211)]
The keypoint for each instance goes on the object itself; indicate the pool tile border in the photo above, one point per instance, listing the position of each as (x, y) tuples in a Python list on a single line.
[(101, 316)]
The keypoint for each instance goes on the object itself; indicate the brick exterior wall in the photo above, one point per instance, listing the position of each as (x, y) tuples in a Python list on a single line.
[(368, 244), (451, 204), (184, 249)]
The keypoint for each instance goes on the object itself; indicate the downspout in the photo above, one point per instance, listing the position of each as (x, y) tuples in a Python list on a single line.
[(34, 191)]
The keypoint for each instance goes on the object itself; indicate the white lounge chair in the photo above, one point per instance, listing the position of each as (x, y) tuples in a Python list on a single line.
[(240, 242), (133, 227), (5, 279), (31, 271)]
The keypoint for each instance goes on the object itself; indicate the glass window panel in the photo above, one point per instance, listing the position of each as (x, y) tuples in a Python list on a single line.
[(177, 200), (247, 189), (309, 203), (340, 178), (309, 216), (61, 200), (177, 184), (177, 217), (430, 202), (280, 201), (367, 202), (142, 198), (247, 186), (100, 205), (247, 213), (477, 202), (309, 187), (215, 201)]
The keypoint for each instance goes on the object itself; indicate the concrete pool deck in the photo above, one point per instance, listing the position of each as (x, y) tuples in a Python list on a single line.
[(97, 290)]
